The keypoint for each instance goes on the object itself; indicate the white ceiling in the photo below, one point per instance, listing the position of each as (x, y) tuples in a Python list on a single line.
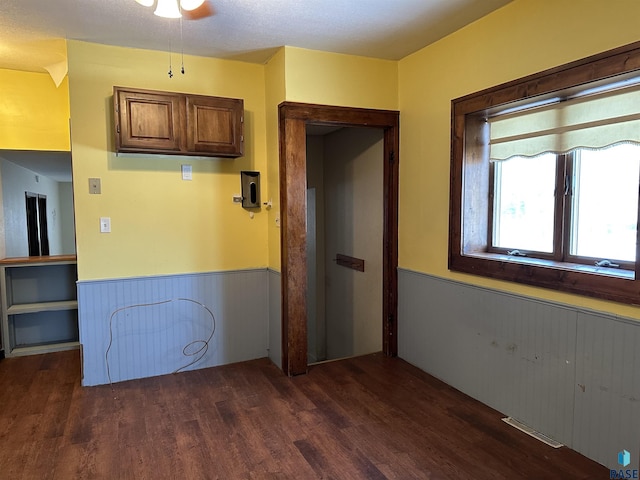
[(249, 30)]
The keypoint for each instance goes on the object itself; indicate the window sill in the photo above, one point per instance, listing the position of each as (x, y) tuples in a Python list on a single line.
[(573, 267), (600, 282)]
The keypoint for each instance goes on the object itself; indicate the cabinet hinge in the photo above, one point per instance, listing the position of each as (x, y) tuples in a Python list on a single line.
[(242, 119), (118, 128), (242, 138), (392, 156)]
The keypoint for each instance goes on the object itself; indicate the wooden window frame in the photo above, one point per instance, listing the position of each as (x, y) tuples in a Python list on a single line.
[(470, 202)]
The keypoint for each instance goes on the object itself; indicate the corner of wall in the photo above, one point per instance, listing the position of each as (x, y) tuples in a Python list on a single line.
[(275, 94)]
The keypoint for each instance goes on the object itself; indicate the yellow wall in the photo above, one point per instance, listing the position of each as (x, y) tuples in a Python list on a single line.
[(346, 80), (275, 94), (310, 76), (522, 38), (160, 223), (34, 114)]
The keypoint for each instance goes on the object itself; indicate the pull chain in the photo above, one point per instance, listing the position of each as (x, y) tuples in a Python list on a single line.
[(170, 73), (181, 48)]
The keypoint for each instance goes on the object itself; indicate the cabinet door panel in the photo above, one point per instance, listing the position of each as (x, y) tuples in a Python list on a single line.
[(148, 121), (214, 125)]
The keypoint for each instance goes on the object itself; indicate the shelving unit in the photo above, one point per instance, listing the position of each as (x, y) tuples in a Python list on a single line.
[(39, 304)]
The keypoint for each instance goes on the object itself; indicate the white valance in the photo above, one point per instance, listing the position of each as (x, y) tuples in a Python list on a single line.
[(593, 121)]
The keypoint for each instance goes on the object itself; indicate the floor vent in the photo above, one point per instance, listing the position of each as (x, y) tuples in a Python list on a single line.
[(530, 431)]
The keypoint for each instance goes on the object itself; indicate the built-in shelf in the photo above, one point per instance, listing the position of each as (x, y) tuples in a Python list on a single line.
[(39, 304), (42, 307), (44, 348)]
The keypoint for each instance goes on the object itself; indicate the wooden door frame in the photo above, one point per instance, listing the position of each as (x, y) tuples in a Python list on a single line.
[(293, 119)]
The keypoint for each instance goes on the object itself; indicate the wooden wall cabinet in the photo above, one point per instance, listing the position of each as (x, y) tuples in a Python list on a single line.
[(39, 304), (148, 121)]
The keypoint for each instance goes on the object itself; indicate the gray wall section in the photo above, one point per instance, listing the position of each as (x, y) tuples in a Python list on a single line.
[(607, 399), (146, 340), (275, 317), (67, 220), (316, 274), (353, 209), (571, 374)]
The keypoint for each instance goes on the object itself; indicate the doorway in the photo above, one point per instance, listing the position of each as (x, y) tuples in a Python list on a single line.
[(37, 231), (293, 120), (344, 241)]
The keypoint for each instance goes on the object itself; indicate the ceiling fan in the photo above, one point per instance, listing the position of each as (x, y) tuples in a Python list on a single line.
[(191, 9)]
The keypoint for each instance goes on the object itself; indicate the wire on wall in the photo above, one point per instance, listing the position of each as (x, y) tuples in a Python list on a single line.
[(201, 346)]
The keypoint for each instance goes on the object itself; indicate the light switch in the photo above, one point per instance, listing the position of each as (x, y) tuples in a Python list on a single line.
[(94, 186), (105, 224), (187, 172)]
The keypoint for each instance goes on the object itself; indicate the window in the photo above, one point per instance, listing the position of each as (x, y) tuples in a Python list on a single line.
[(592, 193), (545, 178), (604, 204), (523, 205)]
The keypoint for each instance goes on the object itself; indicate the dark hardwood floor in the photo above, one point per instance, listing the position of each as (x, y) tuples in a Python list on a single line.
[(371, 417)]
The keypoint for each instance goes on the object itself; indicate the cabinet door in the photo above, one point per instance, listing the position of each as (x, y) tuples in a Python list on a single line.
[(214, 125), (148, 121)]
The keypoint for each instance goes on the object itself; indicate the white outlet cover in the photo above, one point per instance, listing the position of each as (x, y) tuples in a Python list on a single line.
[(105, 224), (187, 172)]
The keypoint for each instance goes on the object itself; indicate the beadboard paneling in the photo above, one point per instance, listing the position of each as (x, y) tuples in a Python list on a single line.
[(120, 327), (275, 317), (607, 389), (528, 359)]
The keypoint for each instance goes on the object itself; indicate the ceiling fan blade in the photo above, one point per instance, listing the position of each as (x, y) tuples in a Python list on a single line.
[(203, 11)]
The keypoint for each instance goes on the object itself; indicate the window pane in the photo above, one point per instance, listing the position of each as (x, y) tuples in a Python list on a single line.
[(605, 203), (524, 203)]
